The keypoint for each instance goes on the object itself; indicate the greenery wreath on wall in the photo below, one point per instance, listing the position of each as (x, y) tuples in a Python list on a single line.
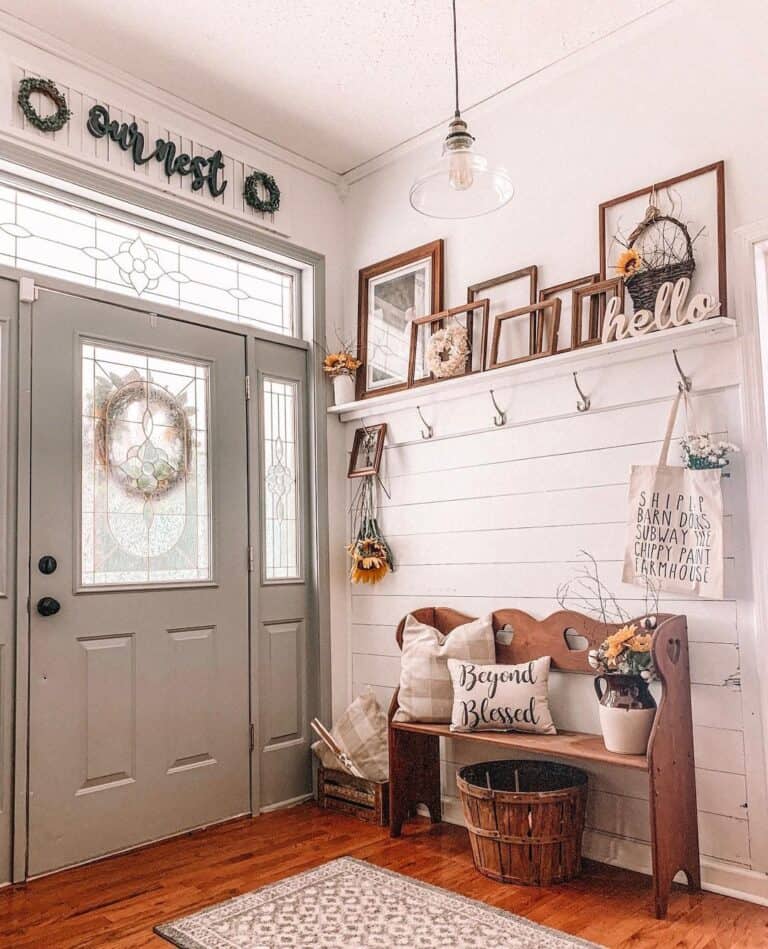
[(46, 123), (251, 192)]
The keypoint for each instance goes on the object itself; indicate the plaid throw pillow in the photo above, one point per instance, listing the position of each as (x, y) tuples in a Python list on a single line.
[(361, 733), (426, 694)]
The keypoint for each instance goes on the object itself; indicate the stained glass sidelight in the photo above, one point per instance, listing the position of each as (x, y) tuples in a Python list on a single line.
[(281, 520), (145, 507)]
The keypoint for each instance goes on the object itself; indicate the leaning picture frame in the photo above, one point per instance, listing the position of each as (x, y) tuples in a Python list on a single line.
[(691, 206), (391, 294), (367, 450), (564, 292), (507, 292), (472, 318), (587, 328), (543, 327)]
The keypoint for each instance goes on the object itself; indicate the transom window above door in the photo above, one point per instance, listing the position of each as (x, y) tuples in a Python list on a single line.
[(42, 234)]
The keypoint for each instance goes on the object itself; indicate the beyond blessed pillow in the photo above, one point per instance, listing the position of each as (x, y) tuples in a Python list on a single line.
[(501, 698), (425, 683)]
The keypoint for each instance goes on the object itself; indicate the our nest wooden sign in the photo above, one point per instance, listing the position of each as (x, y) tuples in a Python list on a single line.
[(260, 190)]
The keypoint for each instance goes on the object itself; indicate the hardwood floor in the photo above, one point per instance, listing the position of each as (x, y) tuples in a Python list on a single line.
[(116, 902)]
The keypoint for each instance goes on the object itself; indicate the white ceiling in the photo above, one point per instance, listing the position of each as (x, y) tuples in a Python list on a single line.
[(337, 81)]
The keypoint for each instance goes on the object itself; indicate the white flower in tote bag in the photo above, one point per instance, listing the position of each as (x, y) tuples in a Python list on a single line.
[(675, 525)]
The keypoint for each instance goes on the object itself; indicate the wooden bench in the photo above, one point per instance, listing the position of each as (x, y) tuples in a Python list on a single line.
[(414, 749)]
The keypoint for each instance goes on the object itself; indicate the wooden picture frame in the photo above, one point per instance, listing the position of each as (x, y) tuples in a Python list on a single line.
[(598, 295), (719, 263), (544, 321), (562, 291), (367, 450), (391, 278), (482, 289), (477, 349)]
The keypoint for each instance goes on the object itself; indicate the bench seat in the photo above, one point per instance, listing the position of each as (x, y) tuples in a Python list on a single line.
[(579, 745)]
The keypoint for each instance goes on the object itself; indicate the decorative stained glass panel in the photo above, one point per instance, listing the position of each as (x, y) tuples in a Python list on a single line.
[(43, 235), (281, 507), (145, 507)]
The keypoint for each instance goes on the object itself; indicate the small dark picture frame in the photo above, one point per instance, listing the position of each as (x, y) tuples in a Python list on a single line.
[(544, 323), (367, 449), (598, 295)]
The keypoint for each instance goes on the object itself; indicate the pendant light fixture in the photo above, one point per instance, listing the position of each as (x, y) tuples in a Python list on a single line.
[(461, 184)]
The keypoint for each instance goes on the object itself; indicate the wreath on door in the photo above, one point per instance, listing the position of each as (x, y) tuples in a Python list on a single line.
[(45, 123)]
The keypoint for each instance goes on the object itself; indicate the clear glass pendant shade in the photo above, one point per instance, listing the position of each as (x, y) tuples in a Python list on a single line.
[(461, 184)]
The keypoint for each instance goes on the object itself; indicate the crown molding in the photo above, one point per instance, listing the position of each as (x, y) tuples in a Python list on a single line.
[(133, 85)]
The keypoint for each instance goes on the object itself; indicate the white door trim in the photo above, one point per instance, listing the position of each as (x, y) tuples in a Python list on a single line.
[(753, 625)]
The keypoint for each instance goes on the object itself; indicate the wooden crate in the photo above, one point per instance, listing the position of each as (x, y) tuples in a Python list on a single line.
[(358, 797)]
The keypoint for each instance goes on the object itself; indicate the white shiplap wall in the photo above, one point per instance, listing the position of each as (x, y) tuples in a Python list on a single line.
[(482, 518)]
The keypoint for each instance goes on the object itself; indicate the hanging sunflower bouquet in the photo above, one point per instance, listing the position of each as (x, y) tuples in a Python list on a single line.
[(626, 652), (371, 555)]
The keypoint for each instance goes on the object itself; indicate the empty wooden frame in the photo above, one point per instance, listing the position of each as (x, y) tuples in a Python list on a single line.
[(563, 292), (475, 321), (507, 292), (598, 295), (544, 324)]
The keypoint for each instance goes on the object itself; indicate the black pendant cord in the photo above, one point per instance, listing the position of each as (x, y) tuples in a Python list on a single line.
[(455, 61)]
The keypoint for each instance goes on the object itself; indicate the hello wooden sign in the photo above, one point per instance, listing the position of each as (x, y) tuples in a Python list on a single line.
[(670, 310)]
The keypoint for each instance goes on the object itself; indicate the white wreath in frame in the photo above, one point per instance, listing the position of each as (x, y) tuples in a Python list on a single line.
[(447, 352)]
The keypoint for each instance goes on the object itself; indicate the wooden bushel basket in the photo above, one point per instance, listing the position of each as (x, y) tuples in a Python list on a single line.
[(525, 819)]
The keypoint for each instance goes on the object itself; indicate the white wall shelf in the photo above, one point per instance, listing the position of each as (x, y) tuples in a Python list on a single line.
[(716, 330)]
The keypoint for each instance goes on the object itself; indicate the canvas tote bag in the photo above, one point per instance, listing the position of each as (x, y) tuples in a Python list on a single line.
[(675, 526)]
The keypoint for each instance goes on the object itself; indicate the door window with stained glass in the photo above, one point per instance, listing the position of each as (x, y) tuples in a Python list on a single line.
[(145, 502)]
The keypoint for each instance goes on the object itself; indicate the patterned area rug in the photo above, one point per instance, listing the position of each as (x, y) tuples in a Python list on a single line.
[(350, 904)]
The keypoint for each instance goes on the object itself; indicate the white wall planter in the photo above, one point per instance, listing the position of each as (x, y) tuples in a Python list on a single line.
[(343, 389)]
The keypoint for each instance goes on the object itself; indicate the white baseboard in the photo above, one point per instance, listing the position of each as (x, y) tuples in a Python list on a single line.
[(291, 802), (717, 876)]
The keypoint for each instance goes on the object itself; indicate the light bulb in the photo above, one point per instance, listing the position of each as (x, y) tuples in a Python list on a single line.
[(460, 169)]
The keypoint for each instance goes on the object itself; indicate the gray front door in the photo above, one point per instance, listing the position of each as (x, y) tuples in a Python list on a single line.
[(139, 682)]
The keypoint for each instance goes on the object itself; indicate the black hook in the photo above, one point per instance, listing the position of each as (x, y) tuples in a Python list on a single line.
[(584, 404)]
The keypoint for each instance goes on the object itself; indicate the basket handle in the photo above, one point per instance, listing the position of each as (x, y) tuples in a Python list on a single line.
[(654, 220)]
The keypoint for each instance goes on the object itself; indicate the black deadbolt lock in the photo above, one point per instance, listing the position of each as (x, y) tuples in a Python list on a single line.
[(47, 564), (48, 606)]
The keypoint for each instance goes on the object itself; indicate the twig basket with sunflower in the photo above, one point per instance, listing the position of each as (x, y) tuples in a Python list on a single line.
[(659, 250)]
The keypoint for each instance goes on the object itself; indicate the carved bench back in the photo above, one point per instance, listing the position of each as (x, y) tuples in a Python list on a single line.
[(532, 637)]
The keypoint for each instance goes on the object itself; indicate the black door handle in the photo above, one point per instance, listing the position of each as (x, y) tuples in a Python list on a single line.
[(46, 564), (48, 606)]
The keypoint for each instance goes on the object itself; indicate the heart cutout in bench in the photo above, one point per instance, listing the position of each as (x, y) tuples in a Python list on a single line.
[(574, 640), (673, 650)]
